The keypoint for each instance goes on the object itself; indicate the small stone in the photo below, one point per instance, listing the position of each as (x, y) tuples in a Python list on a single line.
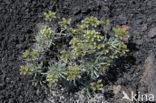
[(76, 10), (116, 89), (126, 27), (125, 39), (18, 46), (138, 22), (10, 101), (152, 32), (144, 27), (2, 81), (122, 19), (47, 101), (139, 41), (7, 1)]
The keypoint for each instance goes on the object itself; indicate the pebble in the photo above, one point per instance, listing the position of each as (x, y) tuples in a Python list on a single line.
[(152, 32)]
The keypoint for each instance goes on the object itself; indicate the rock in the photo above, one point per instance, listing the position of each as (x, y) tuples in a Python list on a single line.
[(124, 94), (126, 27), (142, 88), (98, 98), (150, 73), (18, 46), (7, 1), (76, 10), (152, 32), (138, 21), (139, 41), (11, 100), (144, 27), (47, 101), (116, 89), (2, 81), (122, 19)]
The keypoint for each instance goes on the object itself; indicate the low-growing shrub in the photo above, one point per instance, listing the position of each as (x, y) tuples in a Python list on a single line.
[(92, 50)]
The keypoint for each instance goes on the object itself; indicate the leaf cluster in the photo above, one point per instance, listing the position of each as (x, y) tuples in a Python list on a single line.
[(92, 50)]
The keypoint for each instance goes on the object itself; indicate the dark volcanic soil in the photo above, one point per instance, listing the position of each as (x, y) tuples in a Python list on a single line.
[(18, 22)]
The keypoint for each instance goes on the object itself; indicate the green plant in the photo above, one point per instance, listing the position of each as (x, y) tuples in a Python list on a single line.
[(26, 70), (49, 16), (55, 72), (64, 23), (97, 86), (92, 50), (73, 73)]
